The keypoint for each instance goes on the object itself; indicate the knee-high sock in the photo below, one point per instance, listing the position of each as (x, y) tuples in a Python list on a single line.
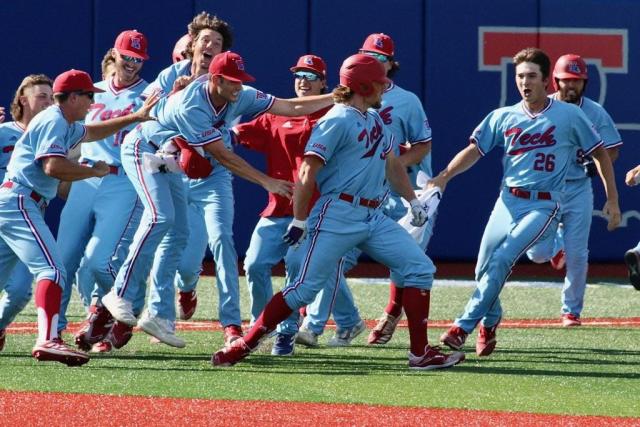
[(275, 312), (48, 296), (416, 306), (394, 306)]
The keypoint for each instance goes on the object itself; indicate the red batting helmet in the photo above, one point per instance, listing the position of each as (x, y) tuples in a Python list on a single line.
[(180, 49), (570, 66), (359, 71)]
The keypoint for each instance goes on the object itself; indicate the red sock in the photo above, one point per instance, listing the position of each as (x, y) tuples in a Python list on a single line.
[(394, 306), (48, 296), (416, 307), (303, 311), (275, 312)]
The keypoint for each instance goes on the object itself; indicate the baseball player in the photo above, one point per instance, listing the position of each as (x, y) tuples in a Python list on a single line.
[(403, 114), (194, 115), (282, 140), (571, 242), (36, 166), (632, 256), (180, 49), (32, 96), (540, 137), (350, 156), (99, 209), (108, 64)]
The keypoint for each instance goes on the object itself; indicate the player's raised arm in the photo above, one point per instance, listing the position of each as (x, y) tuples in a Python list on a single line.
[(462, 161), (300, 106)]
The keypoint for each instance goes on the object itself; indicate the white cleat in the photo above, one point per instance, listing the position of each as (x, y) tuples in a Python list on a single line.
[(120, 308), (162, 329)]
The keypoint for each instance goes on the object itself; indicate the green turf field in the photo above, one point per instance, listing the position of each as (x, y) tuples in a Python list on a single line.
[(587, 370)]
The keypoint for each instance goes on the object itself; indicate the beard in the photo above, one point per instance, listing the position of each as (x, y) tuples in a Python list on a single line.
[(572, 95)]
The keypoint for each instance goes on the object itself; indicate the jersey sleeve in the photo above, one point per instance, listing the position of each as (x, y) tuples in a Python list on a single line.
[(487, 135), (55, 138), (607, 130), (418, 129), (255, 134), (324, 137), (584, 132), (255, 102)]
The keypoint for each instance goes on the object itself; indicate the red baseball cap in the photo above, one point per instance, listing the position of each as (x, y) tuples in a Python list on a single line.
[(132, 43), (230, 66), (312, 63), (378, 43), (74, 81)]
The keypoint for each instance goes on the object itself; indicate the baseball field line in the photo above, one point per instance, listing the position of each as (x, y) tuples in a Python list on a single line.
[(604, 322)]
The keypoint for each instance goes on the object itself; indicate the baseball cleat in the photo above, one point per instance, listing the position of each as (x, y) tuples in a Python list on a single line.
[(307, 337), (231, 333), (94, 328), (454, 338), (56, 350), (433, 358), (559, 260), (284, 345), (486, 340), (187, 303), (632, 259), (102, 347), (230, 355), (384, 329), (163, 329), (119, 308), (343, 337), (3, 337), (569, 320), (119, 335)]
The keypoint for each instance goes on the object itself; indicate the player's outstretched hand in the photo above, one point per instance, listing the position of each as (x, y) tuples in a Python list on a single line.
[(181, 82), (143, 113), (612, 211), (279, 187), (296, 232), (633, 177), (418, 213), (100, 168)]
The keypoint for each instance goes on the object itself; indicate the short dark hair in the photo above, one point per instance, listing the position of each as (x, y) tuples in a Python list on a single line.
[(203, 21), (535, 55)]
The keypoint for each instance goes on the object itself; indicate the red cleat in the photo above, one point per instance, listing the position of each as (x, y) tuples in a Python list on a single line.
[(454, 338), (232, 354), (187, 303), (486, 341), (433, 358), (56, 350), (559, 260), (231, 334), (94, 328), (569, 320)]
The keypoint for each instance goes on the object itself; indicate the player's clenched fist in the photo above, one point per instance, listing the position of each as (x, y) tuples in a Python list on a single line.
[(100, 168), (418, 213), (633, 177), (296, 232)]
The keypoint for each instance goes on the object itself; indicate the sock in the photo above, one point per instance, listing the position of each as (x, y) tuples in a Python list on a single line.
[(394, 306), (416, 306), (48, 296), (275, 312)]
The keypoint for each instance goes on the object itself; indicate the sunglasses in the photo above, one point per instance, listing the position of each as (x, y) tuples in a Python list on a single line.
[(378, 56), (87, 94), (132, 59), (310, 77)]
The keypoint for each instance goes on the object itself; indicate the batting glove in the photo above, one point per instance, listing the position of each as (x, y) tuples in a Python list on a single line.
[(296, 232), (418, 213)]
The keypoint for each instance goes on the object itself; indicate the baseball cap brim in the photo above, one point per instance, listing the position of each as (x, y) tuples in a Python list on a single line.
[(239, 77), (309, 69), (132, 53), (374, 50)]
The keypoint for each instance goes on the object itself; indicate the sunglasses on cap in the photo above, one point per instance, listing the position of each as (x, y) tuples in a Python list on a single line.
[(132, 59), (380, 57), (310, 77), (87, 94)]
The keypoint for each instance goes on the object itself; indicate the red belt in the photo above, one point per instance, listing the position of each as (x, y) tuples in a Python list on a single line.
[(113, 170), (362, 201), (524, 194), (35, 196)]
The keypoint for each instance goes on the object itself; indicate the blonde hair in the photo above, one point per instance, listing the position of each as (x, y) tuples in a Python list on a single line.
[(17, 110), (342, 94), (109, 59)]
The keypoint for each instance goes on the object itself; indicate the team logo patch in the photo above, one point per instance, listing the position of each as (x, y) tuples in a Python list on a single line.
[(574, 67), (261, 95), (378, 42), (308, 60), (240, 65), (135, 43)]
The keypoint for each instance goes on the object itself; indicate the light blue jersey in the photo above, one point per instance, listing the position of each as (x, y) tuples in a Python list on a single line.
[(114, 102), (10, 132), (403, 114), (166, 78), (603, 123), (538, 147), (48, 135), (350, 143)]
